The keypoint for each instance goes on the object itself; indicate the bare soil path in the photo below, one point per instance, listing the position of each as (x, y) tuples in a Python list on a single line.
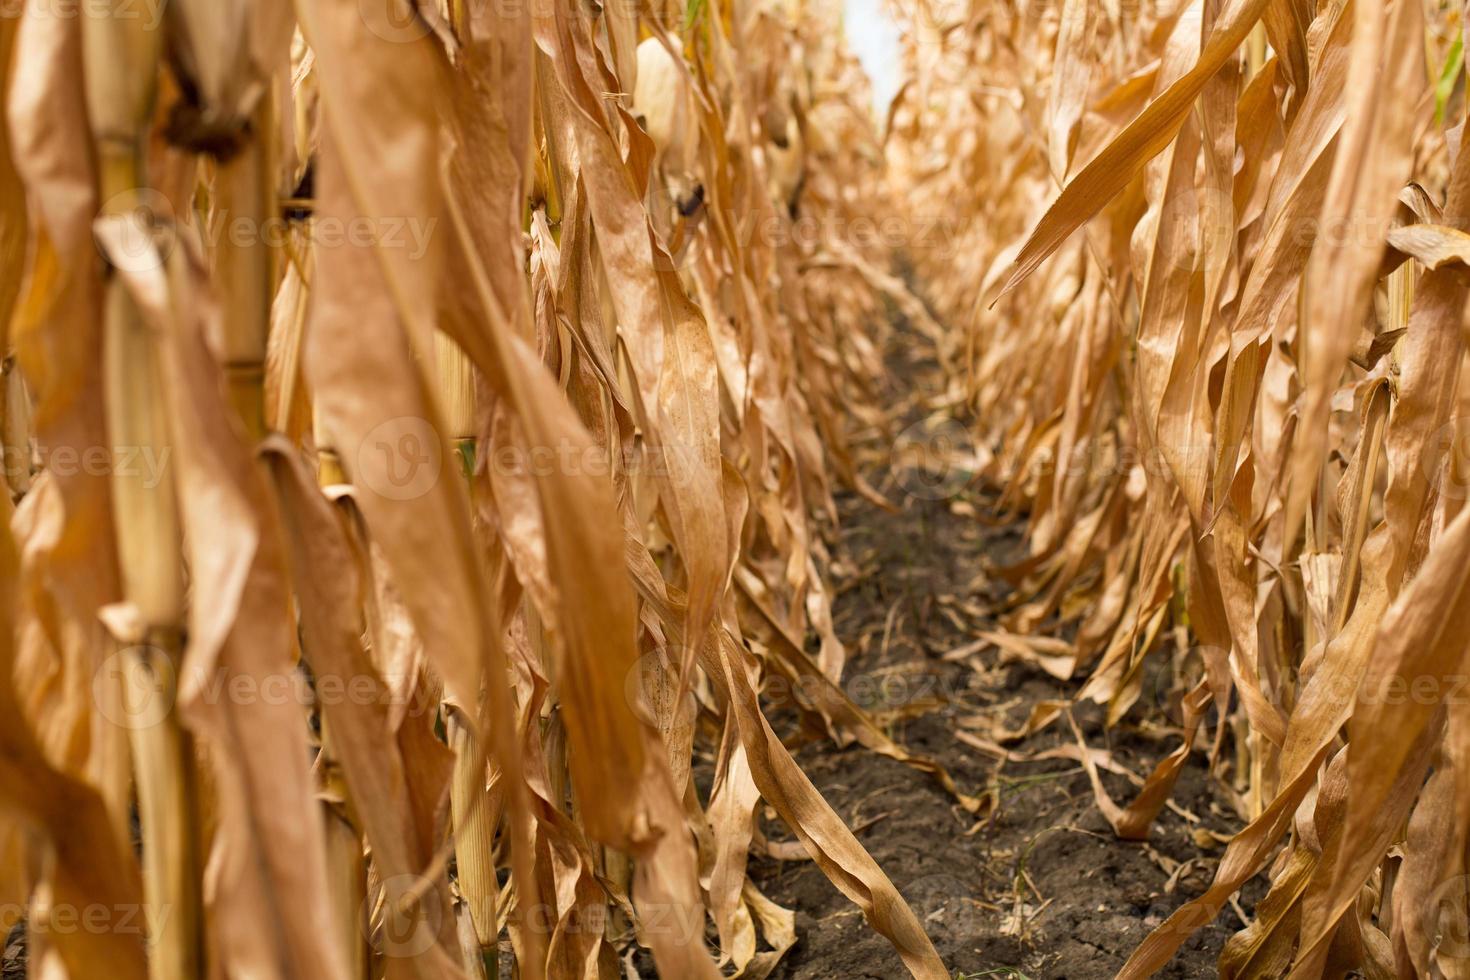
[(1040, 887)]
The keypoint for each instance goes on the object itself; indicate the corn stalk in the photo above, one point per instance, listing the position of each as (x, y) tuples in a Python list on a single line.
[(122, 59)]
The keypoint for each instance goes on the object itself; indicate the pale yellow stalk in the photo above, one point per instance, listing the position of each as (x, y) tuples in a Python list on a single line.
[(122, 58)]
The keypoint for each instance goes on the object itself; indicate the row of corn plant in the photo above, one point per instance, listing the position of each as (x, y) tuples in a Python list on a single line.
[(1208, 286), (418, 415)]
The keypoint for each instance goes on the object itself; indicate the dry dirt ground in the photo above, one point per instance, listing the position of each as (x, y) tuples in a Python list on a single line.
[(1040, 887)]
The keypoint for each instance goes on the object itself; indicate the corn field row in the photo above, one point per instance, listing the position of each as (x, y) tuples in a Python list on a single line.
[(418, 415), (1209, 314), (422, 418)]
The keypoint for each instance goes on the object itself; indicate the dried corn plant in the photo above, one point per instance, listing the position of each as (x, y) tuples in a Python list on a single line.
[(1208, 285), (418, 421)]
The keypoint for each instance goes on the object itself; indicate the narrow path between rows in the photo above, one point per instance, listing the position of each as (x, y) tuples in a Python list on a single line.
[(1040, 887)]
